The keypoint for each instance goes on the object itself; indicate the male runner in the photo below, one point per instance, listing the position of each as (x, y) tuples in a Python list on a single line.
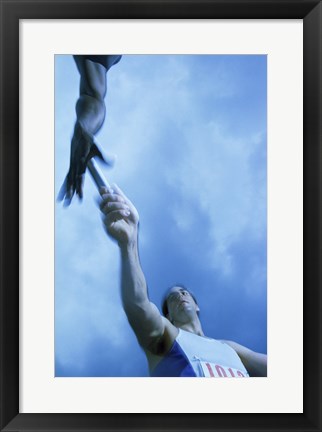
[(175, 344)]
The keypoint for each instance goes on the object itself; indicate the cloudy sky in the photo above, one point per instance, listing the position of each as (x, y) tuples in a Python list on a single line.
[(189, 133)]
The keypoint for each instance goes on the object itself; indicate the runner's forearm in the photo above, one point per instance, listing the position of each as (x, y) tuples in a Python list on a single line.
[(133, 283)]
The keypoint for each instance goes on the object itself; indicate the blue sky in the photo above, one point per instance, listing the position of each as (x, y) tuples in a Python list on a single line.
[(189, 132)]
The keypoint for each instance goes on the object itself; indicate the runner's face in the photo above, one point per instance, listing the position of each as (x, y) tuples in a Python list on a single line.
[(179, 302)]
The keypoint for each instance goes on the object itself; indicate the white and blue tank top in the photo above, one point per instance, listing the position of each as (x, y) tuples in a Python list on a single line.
[(198, 356)]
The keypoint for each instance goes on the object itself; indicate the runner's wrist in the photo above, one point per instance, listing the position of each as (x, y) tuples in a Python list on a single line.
[(128, 246)]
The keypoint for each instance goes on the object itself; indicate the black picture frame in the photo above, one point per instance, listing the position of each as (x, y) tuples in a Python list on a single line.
[(11, 12)]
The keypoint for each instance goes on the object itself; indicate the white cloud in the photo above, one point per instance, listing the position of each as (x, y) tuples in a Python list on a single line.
[(216, 174)]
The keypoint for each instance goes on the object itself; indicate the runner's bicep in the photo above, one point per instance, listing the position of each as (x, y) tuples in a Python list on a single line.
[(147, 323)]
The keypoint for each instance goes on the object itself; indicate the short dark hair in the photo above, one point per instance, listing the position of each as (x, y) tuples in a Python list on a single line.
[(165, 309)]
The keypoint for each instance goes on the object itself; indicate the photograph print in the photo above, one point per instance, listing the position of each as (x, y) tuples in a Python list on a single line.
[(161, 216)]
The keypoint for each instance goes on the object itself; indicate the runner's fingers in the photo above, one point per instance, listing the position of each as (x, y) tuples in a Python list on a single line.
[(114, 194), (79, 185), (62, 191), (114, 216), (110, 207), (120, 193), (70, 190), (109, 197)]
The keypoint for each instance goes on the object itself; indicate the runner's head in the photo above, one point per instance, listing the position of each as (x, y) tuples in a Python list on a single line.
[(178, 299)]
